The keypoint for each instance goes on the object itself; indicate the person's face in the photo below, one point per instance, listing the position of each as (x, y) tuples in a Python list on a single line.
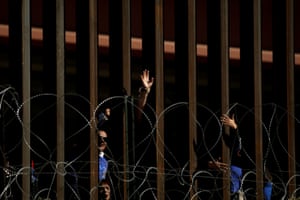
[(102, 140), (107, 112), (104, 191)]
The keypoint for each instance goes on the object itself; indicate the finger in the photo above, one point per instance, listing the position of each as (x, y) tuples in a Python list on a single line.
[(225, 116), (146, 72), (224, 165), (152, 79), (222, 117)]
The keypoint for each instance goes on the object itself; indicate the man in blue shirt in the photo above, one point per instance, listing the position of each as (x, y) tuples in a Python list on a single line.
[(102, 143), (103, 164)]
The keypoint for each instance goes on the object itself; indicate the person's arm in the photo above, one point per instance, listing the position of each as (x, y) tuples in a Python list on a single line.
[(232, 140), (230, 122), (218, 165), (144, 90)]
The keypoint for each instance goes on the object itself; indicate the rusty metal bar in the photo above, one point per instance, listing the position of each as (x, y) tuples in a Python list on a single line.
[(257, 52), (192, 83), (26, 63), (60, 77), (159, 74), (93, 60), (126, 47), (60, 85), (290, 63), (225, 85)]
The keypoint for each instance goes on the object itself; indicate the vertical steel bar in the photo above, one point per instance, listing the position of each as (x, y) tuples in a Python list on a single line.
[(60, 112), (159, 74), (26, 65), (192, 83), (225, 84), (290, 63), (93, 66), (126, 47), (125, 149), (258, 96)]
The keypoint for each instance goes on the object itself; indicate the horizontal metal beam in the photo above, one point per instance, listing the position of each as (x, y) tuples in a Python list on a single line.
[(136, 45)]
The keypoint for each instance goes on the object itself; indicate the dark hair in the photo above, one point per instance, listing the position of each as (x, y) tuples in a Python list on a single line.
[(103, 122), (104, 181)]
